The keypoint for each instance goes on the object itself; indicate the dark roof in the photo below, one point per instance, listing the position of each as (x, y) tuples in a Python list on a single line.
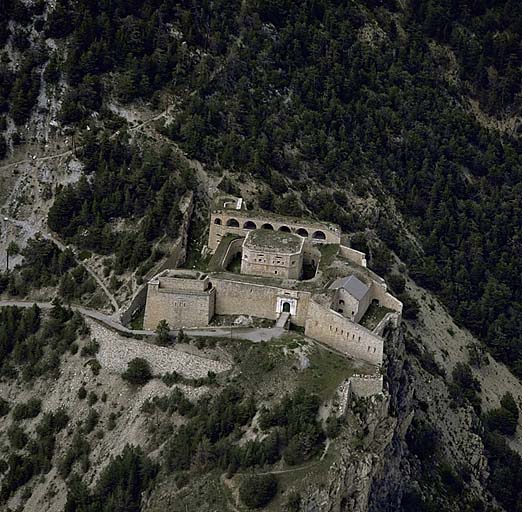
[(352, 285)]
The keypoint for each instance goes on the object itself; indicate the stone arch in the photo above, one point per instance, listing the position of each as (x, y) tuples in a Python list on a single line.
[(217, 221), (302, 232), (233, 223), (267, 226), (340, 311), (375, 302), (249, 225), (286, 307), (319, 235), (341, 302), (285, 229)]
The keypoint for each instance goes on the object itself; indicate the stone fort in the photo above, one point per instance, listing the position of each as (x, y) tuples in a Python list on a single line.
[(285, 269)]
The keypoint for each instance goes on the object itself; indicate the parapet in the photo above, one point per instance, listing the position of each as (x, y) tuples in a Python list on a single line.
[(273, 241), (177, 280)]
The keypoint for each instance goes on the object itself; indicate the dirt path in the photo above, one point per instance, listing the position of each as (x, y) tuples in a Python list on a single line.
[(251, 334)]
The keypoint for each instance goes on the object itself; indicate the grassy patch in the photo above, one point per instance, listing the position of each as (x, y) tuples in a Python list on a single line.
[(328, 254), (326, 372), (373, 316)]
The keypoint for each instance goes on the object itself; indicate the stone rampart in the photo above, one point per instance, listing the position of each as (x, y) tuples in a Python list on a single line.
[(241, 222), (239, 298), (379, 292), (180, 307), (177, 255), (357, 257), (340, 333), (366, 385)]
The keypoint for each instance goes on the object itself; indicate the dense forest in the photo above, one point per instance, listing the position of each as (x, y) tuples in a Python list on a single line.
[(320, 101), (308, 99)]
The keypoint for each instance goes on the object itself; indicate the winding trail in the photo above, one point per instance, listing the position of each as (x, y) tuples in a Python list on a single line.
[(31, 229)]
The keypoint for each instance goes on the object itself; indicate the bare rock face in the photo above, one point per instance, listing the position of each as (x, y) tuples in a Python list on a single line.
[(352, 478), (367, 473)]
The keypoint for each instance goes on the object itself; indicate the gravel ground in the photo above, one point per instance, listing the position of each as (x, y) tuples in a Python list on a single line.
[(116, 351)]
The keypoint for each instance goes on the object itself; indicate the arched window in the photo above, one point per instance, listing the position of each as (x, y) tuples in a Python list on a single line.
[(233, 223), (249, 225), (285, 229), (302, 232), (319, 235), (267, 226), (217, 221)]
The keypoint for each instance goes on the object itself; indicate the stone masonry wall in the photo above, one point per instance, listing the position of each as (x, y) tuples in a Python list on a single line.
[(357, 257), (180, 309), (238, 298), (351, 339), (366, 385), (379, 292), (217, 231)]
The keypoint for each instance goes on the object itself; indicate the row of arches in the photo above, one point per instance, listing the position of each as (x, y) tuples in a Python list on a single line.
[(234, 223)]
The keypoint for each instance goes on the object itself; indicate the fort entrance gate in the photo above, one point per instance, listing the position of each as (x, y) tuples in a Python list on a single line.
[(286, 305)]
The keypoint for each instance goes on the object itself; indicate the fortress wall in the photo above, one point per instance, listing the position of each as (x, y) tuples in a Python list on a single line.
[(234, 248), (386, 299), (182, 284), (366, 385), (311, 254), (217, 231), (357, 257), (179, 309), (351, 339), (238, 298)]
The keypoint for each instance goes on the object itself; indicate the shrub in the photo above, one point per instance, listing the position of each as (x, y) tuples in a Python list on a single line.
[(138, 372), (29, 409), (4, 407), (293, 503), (163, 333), (17, 437), (82, 393), (90, 349), (256, 491), (505, 418), (94, 365), (91, 421), (397, 283)]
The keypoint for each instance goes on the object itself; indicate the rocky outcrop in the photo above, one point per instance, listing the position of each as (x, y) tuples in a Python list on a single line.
[(358, 480)]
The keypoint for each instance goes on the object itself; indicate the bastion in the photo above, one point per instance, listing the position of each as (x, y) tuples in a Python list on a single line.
[(182, 297), (272, 253)]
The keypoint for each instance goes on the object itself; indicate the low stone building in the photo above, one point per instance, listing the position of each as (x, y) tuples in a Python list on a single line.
[(184, 298), (352, 297), (272, 253)]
